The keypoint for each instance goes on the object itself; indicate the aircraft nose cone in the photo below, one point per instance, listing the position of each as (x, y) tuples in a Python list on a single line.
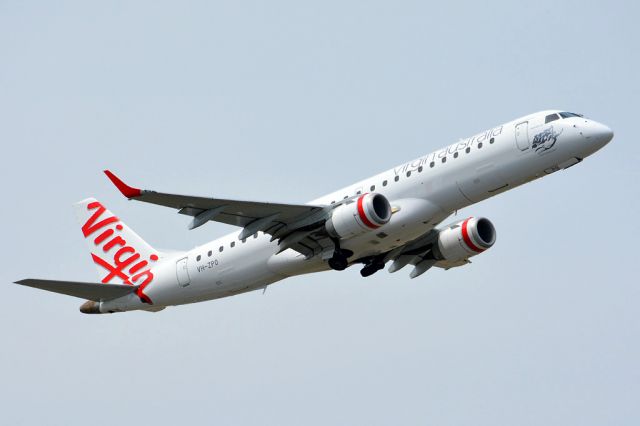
[(599, 133)]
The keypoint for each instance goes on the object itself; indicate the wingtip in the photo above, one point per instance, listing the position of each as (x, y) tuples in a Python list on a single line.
[(126, 190)]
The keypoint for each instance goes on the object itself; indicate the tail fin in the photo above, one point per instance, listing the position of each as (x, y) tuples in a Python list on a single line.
[(120, 255)]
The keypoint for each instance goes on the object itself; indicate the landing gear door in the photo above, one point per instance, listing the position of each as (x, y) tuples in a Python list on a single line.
[(522, 135), (182, 272)]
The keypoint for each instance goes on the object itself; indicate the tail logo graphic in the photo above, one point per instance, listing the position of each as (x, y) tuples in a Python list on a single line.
[(121, 261)]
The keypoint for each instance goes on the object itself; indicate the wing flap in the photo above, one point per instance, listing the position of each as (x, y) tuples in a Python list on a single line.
[(90, 291)]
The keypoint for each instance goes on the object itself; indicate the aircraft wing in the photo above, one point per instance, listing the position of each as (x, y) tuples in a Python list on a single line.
[(293, 221), (90, 291), (414, 253), (418, 254)]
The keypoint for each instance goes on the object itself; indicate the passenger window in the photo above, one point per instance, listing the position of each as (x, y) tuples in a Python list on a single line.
[(233, 244), (455, 154), (444, 159), (210, 253), (432, 164), (420, 169), (479, 144), (551, 117), (408, 173), (397, 178), (373, 187), (244, 240), (384, 183), (468, 150), (198, 258), (221, 248), (492, 140)]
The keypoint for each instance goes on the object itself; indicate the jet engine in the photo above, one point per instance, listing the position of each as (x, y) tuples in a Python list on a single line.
[(462, 240), (368, 212)]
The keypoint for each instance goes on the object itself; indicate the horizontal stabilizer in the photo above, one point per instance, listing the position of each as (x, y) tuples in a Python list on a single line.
[(90, 291)]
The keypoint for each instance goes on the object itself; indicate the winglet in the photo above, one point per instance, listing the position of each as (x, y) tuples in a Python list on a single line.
[(126, 190)]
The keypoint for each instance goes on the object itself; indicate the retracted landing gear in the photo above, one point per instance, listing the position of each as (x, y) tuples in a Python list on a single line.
[(338, 263), (372, 267), (340, 259)]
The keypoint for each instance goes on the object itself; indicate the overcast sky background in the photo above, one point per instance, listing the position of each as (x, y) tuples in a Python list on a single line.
[(286, 101)]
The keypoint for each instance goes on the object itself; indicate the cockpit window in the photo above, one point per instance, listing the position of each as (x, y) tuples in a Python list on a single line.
[(569, 114), (551, 117)]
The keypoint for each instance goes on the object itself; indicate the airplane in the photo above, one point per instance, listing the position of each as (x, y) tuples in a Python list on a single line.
[(394, 216)]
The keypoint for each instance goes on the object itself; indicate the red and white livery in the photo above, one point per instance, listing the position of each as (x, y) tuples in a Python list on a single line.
[(393, 217)]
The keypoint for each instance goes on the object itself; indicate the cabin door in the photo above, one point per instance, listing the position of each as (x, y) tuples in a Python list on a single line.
[(522, 135), (182, 272)]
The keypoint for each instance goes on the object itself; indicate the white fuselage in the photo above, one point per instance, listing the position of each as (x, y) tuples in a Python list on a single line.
[(422, 192)]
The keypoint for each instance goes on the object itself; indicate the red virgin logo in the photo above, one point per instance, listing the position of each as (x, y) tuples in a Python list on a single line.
[(120, 259)]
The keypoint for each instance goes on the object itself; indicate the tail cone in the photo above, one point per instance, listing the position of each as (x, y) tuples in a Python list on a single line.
[(90, 307)]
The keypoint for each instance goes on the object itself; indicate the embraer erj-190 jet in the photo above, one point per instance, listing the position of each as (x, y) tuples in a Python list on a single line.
[(392, 217)]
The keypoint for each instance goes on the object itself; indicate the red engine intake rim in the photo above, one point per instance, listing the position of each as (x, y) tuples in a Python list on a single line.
[(363, 215), (467, 238)]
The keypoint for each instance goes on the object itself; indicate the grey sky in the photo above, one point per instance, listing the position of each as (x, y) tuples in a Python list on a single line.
[(285, 101)]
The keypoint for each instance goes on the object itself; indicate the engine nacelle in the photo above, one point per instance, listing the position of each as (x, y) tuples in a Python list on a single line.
[(367, 213), (462, 240)]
